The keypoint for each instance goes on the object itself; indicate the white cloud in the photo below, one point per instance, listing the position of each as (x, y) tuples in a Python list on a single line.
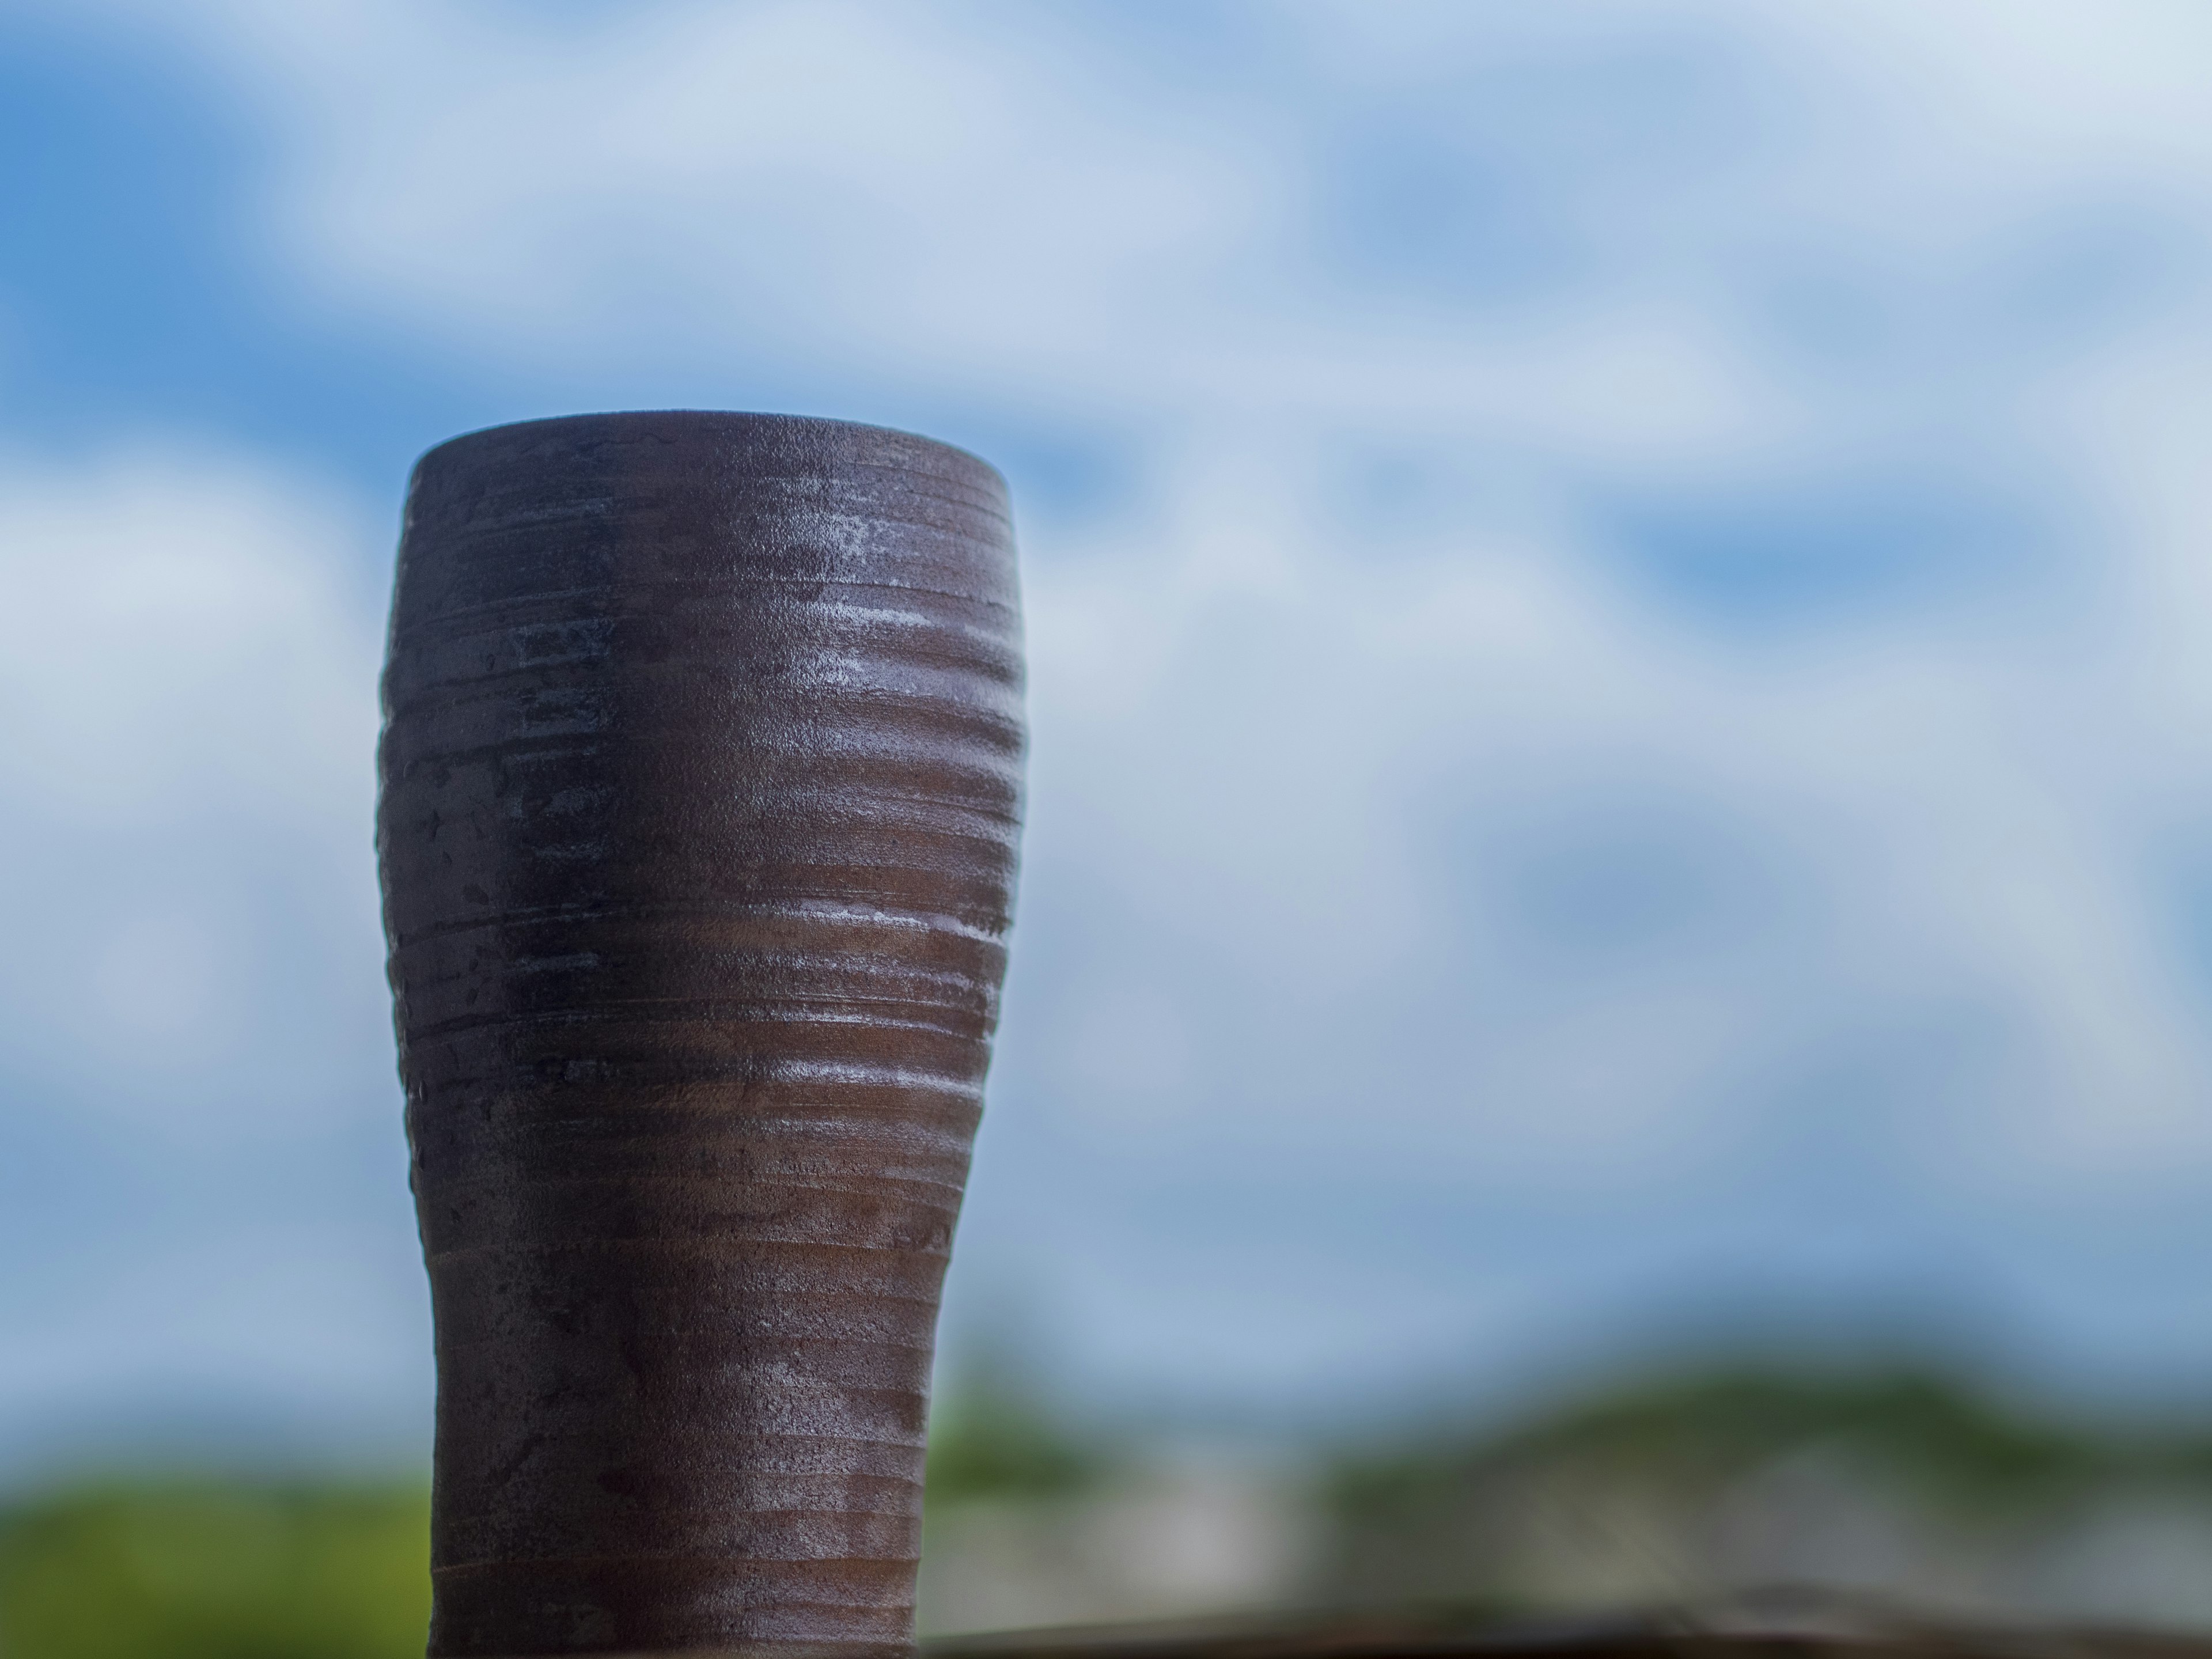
[(186, 769), (1401, 800)]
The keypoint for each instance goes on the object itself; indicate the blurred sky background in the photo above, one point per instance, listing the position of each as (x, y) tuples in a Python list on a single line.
[(1621, 637)]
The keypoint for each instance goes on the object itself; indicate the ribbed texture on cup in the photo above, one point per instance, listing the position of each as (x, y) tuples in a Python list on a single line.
[(702, 782)]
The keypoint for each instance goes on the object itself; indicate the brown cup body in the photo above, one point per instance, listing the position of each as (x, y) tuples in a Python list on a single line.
[(701, 788)]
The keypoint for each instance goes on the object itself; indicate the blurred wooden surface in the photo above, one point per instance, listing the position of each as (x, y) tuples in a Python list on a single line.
[(1787, 1624)]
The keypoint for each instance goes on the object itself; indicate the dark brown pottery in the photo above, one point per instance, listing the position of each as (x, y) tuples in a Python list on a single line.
[(701, 791)]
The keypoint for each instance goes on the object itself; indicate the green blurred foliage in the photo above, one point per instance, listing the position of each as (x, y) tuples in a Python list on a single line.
[(1414, 1516), (241, 1569), (208, 1570), (995, 1436), (1956, 1447), (271, 1570)]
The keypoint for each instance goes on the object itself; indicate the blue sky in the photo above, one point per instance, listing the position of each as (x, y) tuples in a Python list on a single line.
[(1622, 649)]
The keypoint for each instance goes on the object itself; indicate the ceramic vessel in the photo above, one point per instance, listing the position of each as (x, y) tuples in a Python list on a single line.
[(701, 789)]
